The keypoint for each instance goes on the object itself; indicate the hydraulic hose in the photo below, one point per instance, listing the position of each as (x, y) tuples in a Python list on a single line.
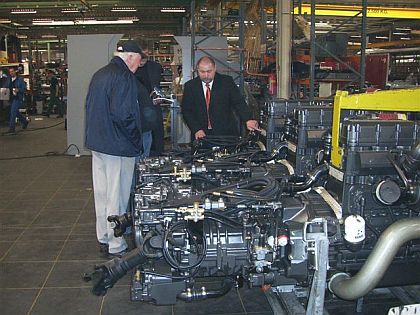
[(194, 295), (390, 241), (411, 162), (107, 274), (312, 178)]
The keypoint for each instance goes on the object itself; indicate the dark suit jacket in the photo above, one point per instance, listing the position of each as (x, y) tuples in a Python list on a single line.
[(150, 75), (225, 100)]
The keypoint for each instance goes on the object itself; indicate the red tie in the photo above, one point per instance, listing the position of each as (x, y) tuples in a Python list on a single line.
[(208, 93)]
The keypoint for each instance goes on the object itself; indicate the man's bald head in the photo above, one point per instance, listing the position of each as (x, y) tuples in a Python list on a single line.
[(206, 69)]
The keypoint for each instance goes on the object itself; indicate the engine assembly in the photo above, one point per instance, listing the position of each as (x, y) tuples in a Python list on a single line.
[(283, 219)]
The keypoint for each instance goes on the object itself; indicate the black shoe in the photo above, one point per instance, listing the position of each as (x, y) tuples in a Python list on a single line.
[(25, 124), (10, 132), (117, 255)]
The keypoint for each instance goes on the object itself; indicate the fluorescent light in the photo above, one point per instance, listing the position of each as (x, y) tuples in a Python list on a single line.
[(82, 22), (49, 36), (166, 35), (399, 33), (3, 21), (91, 22), (356, 36), (23, 11), (403, 28), (382, 37), (22, 36), (121, 9), (49, 22), (172, 10), (405, 38), (70, 11)]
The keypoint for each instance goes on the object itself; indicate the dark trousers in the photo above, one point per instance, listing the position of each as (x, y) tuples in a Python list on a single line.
[(158, 134), (14, 113)]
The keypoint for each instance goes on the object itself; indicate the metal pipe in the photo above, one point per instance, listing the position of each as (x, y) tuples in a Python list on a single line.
[(364, 44), (193, 43), (390, 241), (313, 56)]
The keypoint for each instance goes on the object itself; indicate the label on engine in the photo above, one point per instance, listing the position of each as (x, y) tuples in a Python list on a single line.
[(337, 174), (405, 310), (291, 146)]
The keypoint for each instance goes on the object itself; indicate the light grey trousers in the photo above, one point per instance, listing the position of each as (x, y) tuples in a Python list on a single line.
[(112, 177)]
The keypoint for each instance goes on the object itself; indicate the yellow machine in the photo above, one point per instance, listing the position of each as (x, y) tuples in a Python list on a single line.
[(407, 100)]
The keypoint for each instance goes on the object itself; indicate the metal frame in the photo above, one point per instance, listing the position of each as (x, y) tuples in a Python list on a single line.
[(406, 100), (225, 21), (314, 45)]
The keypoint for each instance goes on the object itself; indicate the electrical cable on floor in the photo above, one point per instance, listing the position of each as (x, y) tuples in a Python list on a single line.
[(47, 154), (36, 129), (47, 127)]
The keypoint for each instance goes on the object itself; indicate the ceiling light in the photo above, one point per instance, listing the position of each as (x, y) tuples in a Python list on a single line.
[(23, 11), (47, 22), (382, 37), (399, 33), (166, 35), (49, 36), (70, 11), (22, 36), (3, 21), (96, 22), (403, 28), (172, 10), (115, 9), (405, 38)]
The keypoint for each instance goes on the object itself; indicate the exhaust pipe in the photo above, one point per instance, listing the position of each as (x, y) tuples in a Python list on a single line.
[(390, 241)]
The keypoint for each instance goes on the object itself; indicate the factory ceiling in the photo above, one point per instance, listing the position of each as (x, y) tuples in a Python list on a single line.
[(36, 20)]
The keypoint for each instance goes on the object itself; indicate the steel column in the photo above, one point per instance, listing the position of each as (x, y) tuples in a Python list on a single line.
[(313, 57), (363, 48)]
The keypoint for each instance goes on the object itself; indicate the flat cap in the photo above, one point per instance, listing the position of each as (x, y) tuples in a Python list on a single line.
[(131, 46)]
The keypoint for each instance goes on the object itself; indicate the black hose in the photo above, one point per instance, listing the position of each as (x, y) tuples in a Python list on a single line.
[(194, 295), (411, 162), (312, 178)]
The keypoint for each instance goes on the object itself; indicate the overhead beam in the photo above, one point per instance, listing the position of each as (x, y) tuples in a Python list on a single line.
[(372, 12), (394, 43)]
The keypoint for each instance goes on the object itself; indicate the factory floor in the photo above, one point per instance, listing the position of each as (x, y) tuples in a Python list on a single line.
[(47, 238)]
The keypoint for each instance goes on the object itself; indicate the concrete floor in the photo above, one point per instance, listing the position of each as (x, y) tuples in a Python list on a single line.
[(47, 238)]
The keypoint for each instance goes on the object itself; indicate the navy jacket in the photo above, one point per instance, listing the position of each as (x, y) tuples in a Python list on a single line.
[(113, 124), (20, 84), (226, 99)]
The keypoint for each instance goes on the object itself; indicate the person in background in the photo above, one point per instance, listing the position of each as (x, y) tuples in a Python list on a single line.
[(209, 103), (17, 87), (54, 100), (114, 134), (149, 74)]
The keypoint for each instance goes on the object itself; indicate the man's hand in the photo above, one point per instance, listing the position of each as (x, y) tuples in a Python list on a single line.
[(200, 134), (252, 125)]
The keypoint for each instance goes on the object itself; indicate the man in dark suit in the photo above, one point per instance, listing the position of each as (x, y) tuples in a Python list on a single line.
[(209, 103), (149, 74)]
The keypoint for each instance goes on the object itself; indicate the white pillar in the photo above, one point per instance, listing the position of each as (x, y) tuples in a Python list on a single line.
[(284, 47)]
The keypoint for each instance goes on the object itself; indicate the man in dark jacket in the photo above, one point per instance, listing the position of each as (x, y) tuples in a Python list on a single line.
[(113, 133), (17, 88), (209, 102), (149, 74)]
